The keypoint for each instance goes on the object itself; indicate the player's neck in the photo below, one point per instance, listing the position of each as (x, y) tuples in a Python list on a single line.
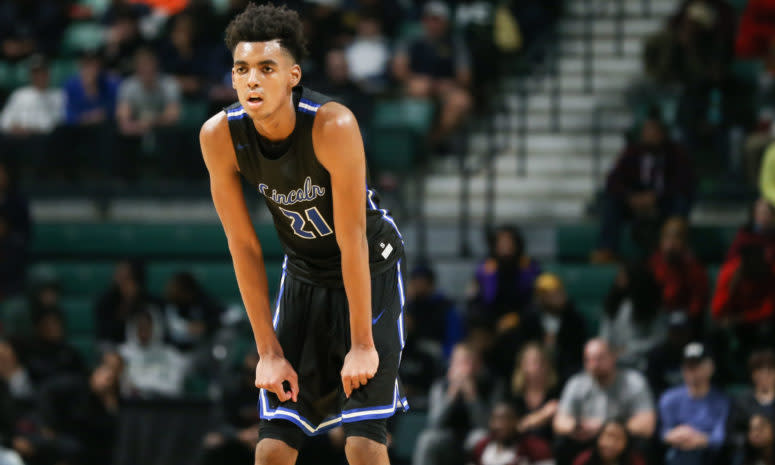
[(280, 124)]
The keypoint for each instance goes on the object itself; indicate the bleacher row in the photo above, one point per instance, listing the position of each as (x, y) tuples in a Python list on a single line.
[(81, 257)]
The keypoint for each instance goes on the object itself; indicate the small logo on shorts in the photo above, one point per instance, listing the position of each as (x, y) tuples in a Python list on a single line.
[(375, 320)]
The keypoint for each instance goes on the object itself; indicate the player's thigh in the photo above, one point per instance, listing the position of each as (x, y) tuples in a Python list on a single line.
[(270, 451)]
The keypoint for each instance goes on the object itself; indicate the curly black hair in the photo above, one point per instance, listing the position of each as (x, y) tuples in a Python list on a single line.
[(268, 22)]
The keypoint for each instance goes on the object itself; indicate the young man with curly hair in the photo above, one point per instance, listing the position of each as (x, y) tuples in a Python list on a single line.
[(330, 349)]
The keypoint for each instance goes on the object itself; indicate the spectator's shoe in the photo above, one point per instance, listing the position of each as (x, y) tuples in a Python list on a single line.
[(602, 257)]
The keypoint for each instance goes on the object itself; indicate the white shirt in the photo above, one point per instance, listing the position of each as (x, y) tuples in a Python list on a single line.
[(33, 109)]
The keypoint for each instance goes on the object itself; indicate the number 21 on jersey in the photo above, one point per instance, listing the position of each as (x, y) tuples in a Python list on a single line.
[(313, 216)]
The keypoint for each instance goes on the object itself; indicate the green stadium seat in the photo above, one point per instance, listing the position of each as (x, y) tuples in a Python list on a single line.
[(406, 429), (14, 317), (151, 241), (62, 70), (79, 317), (393, 149), (710, 243), (13, 75), (82, 278), (87, 347), (193, 114), (98, 7), (591, 311), (217, 278), (82, 36), (406, 113)]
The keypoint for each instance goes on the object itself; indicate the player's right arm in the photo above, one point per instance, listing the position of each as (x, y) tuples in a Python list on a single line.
[(246, 254)]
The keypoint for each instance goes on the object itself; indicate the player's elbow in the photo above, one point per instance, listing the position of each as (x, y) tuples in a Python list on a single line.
[(353, 241)]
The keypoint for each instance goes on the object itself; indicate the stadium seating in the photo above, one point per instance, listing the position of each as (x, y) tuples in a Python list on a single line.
[(397, 133), (574, 242), (148, 241), (82, 36)]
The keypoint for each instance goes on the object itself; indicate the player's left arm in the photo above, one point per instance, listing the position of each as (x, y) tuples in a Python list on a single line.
[(339, 148)]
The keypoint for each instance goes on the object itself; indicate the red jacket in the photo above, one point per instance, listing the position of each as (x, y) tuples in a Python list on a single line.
[(754, 300), (757, 29), (745, 236), (684, 285)]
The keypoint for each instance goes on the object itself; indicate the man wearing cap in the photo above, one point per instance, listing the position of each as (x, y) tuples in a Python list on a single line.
[(693, 416)]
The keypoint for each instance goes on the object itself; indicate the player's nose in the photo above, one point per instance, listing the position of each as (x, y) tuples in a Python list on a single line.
[(253, 78)]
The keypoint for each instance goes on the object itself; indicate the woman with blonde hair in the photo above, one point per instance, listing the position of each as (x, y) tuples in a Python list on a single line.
[(534, 390)]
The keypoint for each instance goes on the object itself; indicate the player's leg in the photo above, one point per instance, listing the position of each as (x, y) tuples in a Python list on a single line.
[(363, 451), (279, 442), (275, 452), (366, 442)]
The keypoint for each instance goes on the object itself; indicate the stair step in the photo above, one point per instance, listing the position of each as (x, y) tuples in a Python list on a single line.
[(517, 210), (511, 186), (633, 8), (602, 47), (607, 27)]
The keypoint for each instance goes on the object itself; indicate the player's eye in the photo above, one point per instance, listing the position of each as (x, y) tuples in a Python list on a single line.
[(268, 69), (240, 69)]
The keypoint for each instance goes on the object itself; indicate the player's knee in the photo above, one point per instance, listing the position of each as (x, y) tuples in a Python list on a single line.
[(274, 452), (364, 451)]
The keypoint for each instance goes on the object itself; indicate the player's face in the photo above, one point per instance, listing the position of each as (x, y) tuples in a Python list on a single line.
[(263, 75)]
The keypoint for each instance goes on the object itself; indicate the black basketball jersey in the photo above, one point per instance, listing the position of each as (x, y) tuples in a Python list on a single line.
[(297, 190)]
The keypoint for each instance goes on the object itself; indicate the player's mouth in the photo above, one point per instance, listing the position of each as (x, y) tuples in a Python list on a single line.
[(255, 101)]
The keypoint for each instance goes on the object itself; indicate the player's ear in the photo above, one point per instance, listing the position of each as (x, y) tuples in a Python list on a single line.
[(295, 75)]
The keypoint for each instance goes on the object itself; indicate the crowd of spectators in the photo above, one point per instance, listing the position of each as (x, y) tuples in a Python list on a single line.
[(144, 85)]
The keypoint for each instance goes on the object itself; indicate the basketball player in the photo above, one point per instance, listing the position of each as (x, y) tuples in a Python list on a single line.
[(330, 349)]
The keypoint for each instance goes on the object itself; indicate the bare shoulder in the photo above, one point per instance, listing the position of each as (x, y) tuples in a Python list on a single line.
[(334, 117), (215, 140)]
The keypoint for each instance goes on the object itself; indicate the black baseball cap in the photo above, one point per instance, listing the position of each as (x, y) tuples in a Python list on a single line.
[(695, 352)]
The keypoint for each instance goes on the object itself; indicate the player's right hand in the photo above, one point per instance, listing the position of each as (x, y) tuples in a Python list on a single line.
[(271, 372)]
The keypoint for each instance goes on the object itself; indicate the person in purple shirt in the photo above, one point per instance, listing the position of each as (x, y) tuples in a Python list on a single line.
[(504, 281), (693, 417)]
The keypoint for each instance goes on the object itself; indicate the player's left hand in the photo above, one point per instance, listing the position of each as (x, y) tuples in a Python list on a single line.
[(360, 365)]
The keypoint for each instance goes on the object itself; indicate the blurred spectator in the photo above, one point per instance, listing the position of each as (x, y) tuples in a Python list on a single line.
[(368, 55), (758, 401), (504, 445), (48, 355), (437, 65), (337, 83), (601, 393), (7, 422), (13, 258), (153, 368), (534, 391), (14, 203), (693, 417), (148, 108), (612, 447), (90, 95), (122, 39), (683, 279), (458, 409), (504, 282), (421, 363), (36, 108), (767, 176), (696, 46), (83, 413), (663, 363), (433, 315), (190, 315), (744, 301), (234, 439), (563, 328), (760, 446), (27, 27), (90, 108), (126, 297), (759, 231), (651, 180), (756, 30), (324, 29), (14, 375), (181, 56), (633, 322)]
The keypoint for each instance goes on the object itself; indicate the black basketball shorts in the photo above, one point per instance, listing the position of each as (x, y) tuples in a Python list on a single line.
[(312, 324)]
